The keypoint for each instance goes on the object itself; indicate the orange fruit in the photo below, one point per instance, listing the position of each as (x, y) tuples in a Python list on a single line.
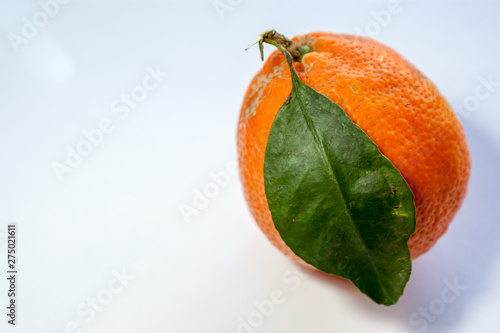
[(398, 107)]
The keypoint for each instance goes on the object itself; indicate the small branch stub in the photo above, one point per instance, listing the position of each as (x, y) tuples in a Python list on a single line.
[(272, 37)]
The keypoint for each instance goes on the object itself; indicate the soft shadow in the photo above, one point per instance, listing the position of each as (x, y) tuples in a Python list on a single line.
[(465, 254)]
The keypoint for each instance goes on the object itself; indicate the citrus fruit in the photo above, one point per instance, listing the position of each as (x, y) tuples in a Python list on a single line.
[(397, 106)]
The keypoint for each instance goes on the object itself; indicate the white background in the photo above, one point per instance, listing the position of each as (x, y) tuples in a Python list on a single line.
[(118, 210)]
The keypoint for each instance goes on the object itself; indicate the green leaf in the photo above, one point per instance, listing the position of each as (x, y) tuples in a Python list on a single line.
[(337, 202)]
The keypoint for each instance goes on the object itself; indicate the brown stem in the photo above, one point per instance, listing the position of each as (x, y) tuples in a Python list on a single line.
[(288, 44), (296, 50)]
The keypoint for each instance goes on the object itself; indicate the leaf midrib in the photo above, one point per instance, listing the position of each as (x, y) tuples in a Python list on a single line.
[(324, 156)]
